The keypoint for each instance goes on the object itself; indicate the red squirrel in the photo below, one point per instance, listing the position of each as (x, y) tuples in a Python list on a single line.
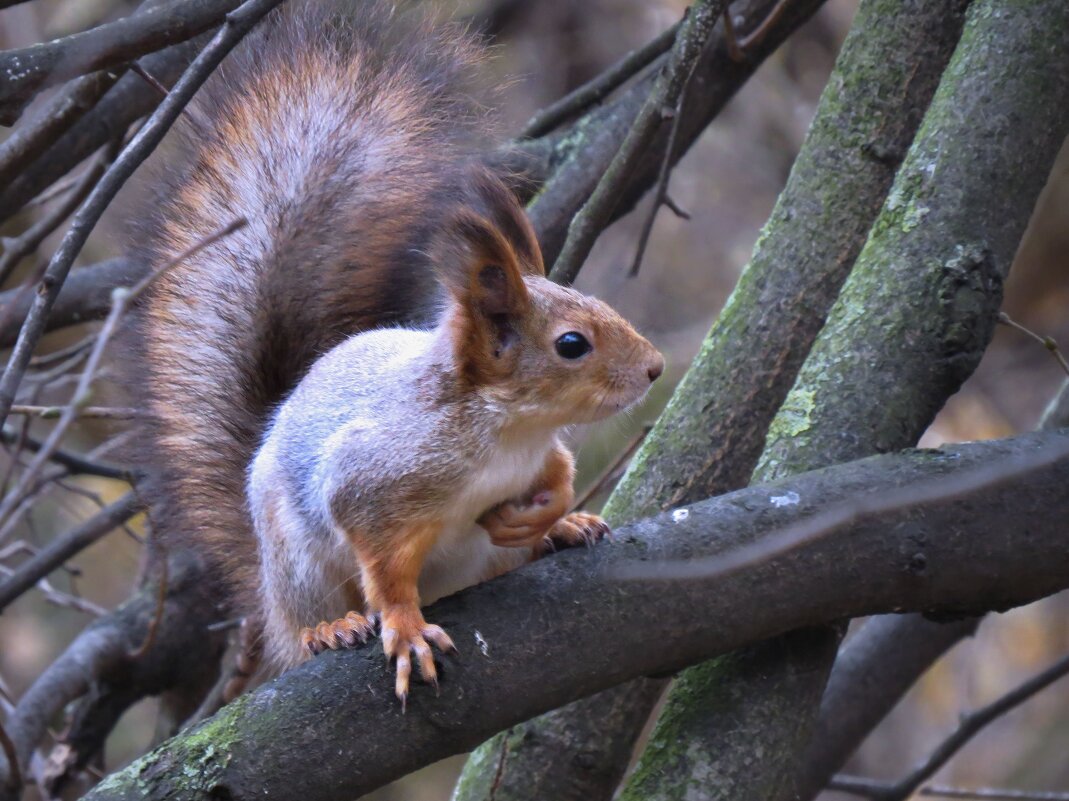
[(357, 398)]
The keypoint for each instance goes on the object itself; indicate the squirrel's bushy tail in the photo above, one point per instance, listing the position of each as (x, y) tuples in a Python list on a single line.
[(339, 131)]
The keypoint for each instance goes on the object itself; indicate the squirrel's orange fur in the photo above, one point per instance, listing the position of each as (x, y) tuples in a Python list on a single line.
[(405, 462)]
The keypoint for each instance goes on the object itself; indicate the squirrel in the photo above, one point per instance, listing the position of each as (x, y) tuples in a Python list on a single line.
[(356, 400)]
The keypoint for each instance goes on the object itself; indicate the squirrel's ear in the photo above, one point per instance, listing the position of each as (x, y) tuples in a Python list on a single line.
[(480, 268)]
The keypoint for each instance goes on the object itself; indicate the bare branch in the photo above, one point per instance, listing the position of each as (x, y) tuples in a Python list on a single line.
[(872, 672), (852, 513), (27, 242), (1046, 341), (74, 463), (67, 545), (990, 794), (694, 34), (238, 23), (968, 727), (99, 412), (600, 87), (122, 299), (34, 68), (55, 118)]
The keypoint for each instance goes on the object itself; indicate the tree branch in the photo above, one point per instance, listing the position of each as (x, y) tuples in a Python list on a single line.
[(100, 667), (34, 68), (588, 223), (238, 23), (875, 669), (62, 548), (968, 727), (1011, 535)]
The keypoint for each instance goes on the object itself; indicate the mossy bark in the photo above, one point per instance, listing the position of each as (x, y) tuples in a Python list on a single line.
[(712, 433), (910, 325)]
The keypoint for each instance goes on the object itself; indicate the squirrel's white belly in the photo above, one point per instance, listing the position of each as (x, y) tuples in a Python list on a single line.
[(463, 554)]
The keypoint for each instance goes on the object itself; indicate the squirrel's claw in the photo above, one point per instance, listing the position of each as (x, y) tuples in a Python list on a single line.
[(577, 528), (405, 636), (345, 632)]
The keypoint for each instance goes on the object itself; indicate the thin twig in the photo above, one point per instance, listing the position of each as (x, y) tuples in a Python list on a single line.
[(122, 299), (15, 250), (103, 412), (694, 34), (73, 462), (68, 545), (967, 728), (149, 78), (600, 87), (991, 794), (1046, 341), (663, 175), (237, 24)]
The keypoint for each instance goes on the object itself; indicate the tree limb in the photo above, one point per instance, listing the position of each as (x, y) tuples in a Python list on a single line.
[(237, 24), (991, 550), (62, 548), (31, 69), (910, 325)]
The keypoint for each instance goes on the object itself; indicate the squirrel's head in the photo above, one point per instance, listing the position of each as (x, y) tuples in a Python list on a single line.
[(552, 355)]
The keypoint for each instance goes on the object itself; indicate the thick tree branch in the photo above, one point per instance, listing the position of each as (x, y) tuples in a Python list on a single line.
[(34, 68), (104, 668), (338, 713)]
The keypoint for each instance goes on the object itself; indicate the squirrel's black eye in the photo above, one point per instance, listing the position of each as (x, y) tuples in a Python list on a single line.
[(572, 345)]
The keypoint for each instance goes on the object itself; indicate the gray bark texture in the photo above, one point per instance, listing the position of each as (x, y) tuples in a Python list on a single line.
[(570, 625), (711, 435), (909, 326)]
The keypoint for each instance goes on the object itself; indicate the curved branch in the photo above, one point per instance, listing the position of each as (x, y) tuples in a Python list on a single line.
[(872, 673), (337, 711)]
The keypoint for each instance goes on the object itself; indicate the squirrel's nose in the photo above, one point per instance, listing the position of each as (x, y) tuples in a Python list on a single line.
[(656, 368)]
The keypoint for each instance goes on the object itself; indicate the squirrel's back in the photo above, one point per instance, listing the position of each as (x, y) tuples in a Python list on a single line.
[(341, 132)]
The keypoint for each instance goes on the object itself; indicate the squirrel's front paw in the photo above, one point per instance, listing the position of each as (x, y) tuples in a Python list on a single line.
[(515, 525), (404, 635), (578, 528), (343, 633)]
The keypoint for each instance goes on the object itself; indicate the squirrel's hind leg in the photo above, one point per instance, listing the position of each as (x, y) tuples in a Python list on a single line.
[(390, 564)]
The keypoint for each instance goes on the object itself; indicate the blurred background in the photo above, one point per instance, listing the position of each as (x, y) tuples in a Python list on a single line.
[(728, 182)]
